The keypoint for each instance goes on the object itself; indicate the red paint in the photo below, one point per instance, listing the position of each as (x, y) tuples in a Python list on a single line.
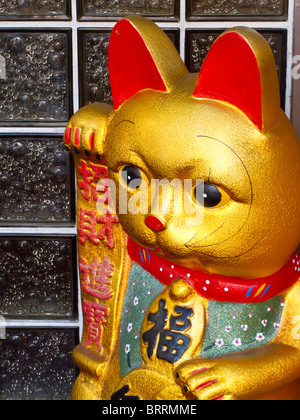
[(218, 398), (230, 73), (89, 227), (92, 141), (206, 384), (96, 277), (77, 137), (96, 316), (198, 371), (85, 184), (154, 223), (131, 65), (90, 184), (68, 135)]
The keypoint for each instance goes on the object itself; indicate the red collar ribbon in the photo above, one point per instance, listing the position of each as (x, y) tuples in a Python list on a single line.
[(215, 286)]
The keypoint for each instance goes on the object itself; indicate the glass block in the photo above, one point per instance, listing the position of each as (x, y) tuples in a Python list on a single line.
[(35, 77), (237, 9), (36, 182), (36, 364), (94, 77), (198, 44), (34, 9), (112, 9), (37, 278)]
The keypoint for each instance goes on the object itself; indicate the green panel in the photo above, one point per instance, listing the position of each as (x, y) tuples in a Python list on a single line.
[(141, 291), (236, 327)]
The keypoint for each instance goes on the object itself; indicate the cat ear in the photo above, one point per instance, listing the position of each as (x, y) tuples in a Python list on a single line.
[(240, 69), (141, 56)]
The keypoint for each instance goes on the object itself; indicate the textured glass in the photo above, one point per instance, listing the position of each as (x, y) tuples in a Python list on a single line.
[(36, 186), (251, 9), (36, 364), (34, 77), (198, 44), (116, 8), (33, 9), (37, 279), (95, 84)]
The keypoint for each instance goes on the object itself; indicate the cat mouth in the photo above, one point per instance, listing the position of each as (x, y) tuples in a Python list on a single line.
[(201, 249)]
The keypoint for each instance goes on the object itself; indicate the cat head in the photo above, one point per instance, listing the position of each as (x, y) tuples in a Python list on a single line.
[(224, 131)]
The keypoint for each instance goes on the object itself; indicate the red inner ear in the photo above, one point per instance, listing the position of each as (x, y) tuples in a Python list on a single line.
[(230, 73), (131, 66)]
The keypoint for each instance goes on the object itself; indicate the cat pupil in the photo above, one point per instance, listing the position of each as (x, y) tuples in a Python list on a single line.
[(211, 197), (132, 176)]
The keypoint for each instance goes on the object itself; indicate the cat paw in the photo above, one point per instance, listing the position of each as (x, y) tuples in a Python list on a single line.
[(203, 380), (86, 131)]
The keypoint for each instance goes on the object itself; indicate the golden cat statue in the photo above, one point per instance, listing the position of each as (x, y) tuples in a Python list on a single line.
[(188, 223)]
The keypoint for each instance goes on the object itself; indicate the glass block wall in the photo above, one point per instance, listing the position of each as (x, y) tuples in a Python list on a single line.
[(53, 60)]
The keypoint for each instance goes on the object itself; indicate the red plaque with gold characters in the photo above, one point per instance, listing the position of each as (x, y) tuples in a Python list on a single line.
[(187, 215)]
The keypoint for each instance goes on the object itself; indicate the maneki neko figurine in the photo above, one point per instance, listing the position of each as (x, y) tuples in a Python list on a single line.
[(177, 305)]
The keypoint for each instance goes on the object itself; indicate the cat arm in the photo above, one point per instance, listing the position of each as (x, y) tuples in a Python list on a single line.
[(245, 376)]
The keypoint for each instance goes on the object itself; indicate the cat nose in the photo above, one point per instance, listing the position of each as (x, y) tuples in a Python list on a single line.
[(154, 223)]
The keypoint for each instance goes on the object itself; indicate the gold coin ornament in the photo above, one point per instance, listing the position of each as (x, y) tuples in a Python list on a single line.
[(188, 224)]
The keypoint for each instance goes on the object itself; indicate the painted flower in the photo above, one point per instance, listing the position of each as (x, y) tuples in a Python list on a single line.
[(276, 325), (228, 328), (136, 335), (135, 301), (259, 337), (129, 327), (270, 309), (237, 342), (127, 348), (251, 315), (244, 327), (264, 322), (234, 316), (219, 342)]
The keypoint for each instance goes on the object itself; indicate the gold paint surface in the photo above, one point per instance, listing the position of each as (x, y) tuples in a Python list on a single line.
[(172, 135)]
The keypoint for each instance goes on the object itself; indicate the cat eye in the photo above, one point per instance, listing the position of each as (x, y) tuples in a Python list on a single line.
[(133, 177), (210, 196)]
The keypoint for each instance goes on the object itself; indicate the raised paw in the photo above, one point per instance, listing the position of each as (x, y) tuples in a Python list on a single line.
[(86, 130), (203, 380)]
